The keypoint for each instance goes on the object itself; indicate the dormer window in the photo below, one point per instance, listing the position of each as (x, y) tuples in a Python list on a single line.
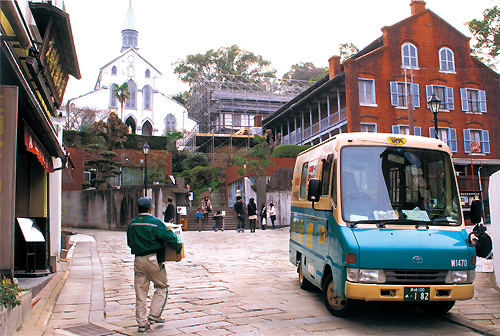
[(409, 56), (446, 60)]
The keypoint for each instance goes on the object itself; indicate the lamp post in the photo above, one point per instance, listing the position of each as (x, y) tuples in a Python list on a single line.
[(145, 148), (434, 104)]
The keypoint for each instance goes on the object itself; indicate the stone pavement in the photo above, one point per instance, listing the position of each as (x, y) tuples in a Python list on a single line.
[(229, 284)]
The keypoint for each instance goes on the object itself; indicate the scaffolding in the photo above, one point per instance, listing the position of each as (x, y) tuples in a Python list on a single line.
[(225, 108)]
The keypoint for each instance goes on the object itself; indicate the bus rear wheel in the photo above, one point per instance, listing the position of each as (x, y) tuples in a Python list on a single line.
[(436, 307), (303, 282), (336, 305)]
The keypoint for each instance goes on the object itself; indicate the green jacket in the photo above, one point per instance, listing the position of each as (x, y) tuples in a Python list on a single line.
[(147, 234)]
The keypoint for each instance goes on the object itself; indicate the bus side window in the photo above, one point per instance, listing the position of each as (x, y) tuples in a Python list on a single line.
[(334, 183), (303, 180), (325, 178)]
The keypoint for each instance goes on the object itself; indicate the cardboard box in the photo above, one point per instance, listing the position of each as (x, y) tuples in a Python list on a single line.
[(170, 254)]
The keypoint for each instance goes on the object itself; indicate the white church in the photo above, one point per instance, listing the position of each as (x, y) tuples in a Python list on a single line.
[(147, 111)]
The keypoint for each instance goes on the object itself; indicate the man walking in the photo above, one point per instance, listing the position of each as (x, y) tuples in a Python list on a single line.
[(169, 212), (239, 207), (146, 237)]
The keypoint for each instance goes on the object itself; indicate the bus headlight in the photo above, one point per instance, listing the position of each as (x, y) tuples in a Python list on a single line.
[(365, 275), (460, 276)]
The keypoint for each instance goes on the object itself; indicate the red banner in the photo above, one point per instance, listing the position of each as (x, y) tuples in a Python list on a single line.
[(34, 146)]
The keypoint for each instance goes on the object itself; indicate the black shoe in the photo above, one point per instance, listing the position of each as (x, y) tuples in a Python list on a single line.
[(143, 329)]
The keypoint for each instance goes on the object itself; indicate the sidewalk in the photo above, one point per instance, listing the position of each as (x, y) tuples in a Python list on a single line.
[(74, 305)]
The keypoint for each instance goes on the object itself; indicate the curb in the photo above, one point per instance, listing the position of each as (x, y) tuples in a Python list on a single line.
[(465, 322)]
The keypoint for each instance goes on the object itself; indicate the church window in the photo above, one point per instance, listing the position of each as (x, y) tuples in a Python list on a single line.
[(113, 101), (170, 123), (131, 71), (131, 103), (113, 70), (147, 129), (148, 73), (146, 94)]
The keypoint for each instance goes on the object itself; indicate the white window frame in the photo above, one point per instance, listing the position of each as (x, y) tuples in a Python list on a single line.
[(484, 140), (396, 95), (450, 134), (449, 59), (365, 127), (466, 100), (409, 57), (362, 99), (447, 102), (401, 129)]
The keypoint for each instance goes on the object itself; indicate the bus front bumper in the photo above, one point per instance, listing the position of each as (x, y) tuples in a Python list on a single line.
[(376, 292)]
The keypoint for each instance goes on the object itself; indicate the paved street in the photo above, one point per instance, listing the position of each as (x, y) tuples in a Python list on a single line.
[(234, 283)]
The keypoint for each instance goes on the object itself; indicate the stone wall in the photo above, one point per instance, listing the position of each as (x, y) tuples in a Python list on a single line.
[(282, 201)]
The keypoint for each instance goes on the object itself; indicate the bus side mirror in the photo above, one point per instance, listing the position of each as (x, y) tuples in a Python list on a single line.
[(314, 190), (476, 211)]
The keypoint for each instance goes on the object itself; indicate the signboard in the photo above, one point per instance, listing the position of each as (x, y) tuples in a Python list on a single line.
[(8, 141), (475, 147), (182, 210)]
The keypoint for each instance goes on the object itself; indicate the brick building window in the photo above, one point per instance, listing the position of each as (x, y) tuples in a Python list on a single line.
[(400, 91), (445, 95), (409, 56), (448, 135), (476, 135), (405, 129), (366, 91), (369, 128), (446, 60), (473, 100)]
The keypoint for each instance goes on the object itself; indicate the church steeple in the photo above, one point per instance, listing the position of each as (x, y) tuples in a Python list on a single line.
[(130, 35)]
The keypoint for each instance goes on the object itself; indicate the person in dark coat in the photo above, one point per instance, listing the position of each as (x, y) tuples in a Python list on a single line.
[(483, 242), (239, 207), (263, 216), (169, 212), (252, 214)]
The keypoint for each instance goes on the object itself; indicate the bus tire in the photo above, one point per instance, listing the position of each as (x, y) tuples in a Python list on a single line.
[(436, 307), (337, 306), (303, 282)]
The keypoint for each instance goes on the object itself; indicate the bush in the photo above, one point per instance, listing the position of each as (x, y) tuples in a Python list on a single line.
[(77, 139), (195, 160), (202, 178), (289, 151), (8, 293)]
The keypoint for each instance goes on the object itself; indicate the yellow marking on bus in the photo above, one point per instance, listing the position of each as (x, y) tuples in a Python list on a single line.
[(310, 231), (322, 235)]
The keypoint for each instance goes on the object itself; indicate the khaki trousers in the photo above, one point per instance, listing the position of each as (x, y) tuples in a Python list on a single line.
[(146, 269)]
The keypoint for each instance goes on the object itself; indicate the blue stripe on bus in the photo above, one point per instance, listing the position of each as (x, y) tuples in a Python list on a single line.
[(335, 264), (319, 273), (309, 250)]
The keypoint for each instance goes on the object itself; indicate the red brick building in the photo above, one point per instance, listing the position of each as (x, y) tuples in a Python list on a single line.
[(373, 91)]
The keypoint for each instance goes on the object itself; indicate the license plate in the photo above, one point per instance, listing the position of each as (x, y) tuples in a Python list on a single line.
[(417, 294)]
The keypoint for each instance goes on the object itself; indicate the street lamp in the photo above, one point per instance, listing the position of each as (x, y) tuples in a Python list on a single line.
[(434, 104), (145, 148)]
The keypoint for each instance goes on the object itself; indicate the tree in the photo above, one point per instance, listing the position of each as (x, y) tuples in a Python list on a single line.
[(181, 98), (487, 35), (305, 71), (226, 60), (347, 50), (114, 131), (79, 117), (177, 158), (121, 93), (172, 138), (202, 178), (289, 151), (195, 160)]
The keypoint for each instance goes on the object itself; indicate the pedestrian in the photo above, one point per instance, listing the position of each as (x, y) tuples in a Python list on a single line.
[(482, 241), (199, 216), (190, 198), (169, 212), (219, 221), (146, 237), (238, 191), (263, 216), (239, 207), (206, 208), (252, 214), (272, 213)]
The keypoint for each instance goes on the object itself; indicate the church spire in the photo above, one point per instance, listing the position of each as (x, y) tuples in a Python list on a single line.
[(130, 34)]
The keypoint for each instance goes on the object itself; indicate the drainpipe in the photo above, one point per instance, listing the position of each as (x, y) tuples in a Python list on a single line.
[(10, 10), (481, 190)]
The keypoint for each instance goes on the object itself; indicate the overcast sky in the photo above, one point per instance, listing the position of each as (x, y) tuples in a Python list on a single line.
[(283, 32)]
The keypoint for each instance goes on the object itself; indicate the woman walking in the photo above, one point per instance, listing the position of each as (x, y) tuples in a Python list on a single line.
[(272, 213), (252, 214)]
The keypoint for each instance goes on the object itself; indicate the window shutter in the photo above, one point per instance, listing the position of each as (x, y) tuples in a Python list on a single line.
[(394, 94), (482, 101), (485, 142), (417, 131), (463, 97), (429, 91), (450, 105), (395, 129), (415, 95), (452, 141), (432, 134), (466, 141)]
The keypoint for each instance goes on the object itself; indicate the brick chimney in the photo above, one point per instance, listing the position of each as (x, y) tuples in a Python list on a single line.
[(417, 6), (334, 66)]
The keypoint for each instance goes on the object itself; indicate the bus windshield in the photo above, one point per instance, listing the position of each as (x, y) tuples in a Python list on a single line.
[(398, 185)]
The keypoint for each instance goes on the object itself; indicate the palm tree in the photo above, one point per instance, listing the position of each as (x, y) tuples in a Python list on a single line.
[(121, 93)]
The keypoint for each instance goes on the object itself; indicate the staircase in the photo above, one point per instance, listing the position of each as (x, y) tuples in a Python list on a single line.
[(229, 220)]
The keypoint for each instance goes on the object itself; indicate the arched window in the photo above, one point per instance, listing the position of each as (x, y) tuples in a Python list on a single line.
[(147, 129), (170, 123), (131, 103), (113, 70), (409, 56), (148, 73), (113, 101), (130, 122), (147, 97), (131, 71), (446, 60)]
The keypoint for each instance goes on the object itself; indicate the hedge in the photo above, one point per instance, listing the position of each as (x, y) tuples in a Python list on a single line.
[(134, 141)]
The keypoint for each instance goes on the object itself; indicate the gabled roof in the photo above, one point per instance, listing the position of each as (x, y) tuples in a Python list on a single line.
[(124, 53)]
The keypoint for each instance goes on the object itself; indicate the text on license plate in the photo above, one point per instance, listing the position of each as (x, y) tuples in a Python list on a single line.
[(417, 294)]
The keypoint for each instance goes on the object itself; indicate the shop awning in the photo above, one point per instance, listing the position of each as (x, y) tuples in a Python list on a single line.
[(34, 146)]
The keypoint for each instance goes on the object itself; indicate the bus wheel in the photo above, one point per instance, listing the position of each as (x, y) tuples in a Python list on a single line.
[(303, 282), (436, 307), (336, 305)]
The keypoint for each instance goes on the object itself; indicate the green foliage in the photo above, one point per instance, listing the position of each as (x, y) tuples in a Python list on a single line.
[(202, 178), (258, 157), (177, 158), (113, 131), (182, 97), (289, 151), (195, 160), (121, 93), (172, 138), (305, 71), (77, 139), (347, 50), (9, 292), (487, 35)]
